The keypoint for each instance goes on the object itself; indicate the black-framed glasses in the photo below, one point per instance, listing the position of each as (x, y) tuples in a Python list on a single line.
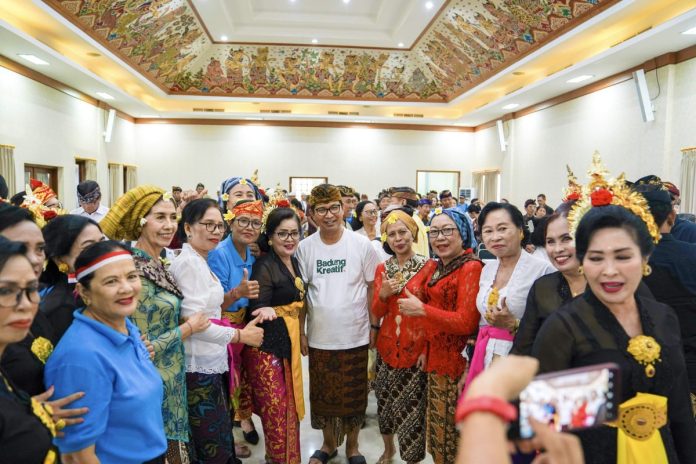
[(213, 226), (246, 222), (283, 235), (11, 295), (372, 212), (333, 209), (446, 232)]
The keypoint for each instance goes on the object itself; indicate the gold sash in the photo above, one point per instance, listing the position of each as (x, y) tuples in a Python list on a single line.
[(291, 315), (638, 437), (237, 317)]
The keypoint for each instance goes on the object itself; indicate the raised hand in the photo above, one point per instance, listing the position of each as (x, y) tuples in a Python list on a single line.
[(389, 287), (411, 305), (252, 335), (247, 288)]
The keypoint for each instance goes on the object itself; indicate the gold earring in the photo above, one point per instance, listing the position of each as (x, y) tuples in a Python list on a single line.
[(86, 301), (63, 268), (647, 270), (581, 271), (270, 242)]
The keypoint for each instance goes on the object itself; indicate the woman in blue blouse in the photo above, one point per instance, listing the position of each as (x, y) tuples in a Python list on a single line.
[(102, 355)]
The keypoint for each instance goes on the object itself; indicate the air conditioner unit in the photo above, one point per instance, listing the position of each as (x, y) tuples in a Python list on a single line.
[(467, 192)]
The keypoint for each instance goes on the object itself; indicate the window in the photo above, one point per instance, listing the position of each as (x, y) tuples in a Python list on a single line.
[(46, 174), (80, 170), (304, 185), (438, 181)]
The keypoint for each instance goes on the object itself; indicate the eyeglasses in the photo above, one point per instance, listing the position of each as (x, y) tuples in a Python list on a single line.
[(446, 232), (10, 296), (212, 226), (372, 212), (246, 222), (333, 209), (294, 235)]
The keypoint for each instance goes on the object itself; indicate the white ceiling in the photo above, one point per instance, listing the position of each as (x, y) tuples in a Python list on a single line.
[(361, 23)]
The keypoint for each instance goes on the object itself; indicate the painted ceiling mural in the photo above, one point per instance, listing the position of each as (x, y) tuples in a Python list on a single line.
[(469, 42)]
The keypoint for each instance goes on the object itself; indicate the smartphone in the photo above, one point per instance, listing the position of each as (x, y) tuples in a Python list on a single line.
[(568, 400)]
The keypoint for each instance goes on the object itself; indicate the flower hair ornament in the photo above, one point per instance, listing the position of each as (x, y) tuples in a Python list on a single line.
[(603, 191), (276, 200)]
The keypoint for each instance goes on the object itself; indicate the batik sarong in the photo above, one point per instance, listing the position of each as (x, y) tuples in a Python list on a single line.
[(442, 433), (401, 404), (338, 389), (273, 399), (209, 418)]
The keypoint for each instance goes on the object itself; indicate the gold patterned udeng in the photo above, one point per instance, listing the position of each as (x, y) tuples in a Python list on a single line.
[(42, 348), (646, 351)]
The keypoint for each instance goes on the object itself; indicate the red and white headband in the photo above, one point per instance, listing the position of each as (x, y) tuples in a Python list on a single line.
[(102, 261)]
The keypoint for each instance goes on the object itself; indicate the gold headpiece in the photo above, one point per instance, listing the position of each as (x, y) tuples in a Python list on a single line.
[(602, 191), (574, 189), (277, 200)]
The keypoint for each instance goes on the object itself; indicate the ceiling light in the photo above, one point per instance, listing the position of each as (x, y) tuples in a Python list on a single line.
[(314, 41), (346, 1), (511, 106), (518, 73), (691, 31), (401, 44), (105, 96), (429, 5), (35, 60), (578, 79), (224, 38)]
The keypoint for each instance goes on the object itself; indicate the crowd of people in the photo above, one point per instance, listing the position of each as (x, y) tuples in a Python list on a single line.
[(144, 332)]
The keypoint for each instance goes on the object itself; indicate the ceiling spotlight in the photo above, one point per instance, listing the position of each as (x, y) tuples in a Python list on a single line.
[(518, 73), (429, 5), (346, 1), (315, 41), (401, 44), (105, 96), (511, 106), (578, 79), (691, 31), (224, 38), (34, 59)]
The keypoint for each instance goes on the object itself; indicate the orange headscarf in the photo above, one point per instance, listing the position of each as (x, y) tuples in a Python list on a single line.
[(252, 208)]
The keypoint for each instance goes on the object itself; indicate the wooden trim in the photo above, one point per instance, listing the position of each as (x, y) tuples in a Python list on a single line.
[(82, 158), (487, 171), (671, 58), (292, 123), (12, 147), (437, 14), (683, 150)]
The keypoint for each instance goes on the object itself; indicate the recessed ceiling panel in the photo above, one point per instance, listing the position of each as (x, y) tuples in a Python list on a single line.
[(468, 42)]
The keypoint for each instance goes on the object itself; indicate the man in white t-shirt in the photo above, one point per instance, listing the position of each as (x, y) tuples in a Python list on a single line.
[(339, 267)]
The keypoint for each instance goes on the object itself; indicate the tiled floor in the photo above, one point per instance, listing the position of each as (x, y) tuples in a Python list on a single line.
[(371, 445)]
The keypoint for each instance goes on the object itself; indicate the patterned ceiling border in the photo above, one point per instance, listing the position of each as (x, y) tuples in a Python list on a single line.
[(469, 42)]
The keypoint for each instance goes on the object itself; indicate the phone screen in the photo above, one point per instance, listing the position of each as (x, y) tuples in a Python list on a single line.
[(571, 399)]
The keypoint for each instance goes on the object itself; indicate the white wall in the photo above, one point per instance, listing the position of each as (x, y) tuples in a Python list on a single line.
[(366, 159), (542, 143), (49, 127)]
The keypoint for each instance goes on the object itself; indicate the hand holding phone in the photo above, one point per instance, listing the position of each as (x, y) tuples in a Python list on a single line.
[(569, 400)]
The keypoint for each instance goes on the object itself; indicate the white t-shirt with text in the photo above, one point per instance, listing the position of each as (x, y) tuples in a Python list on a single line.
[(337, 276)]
